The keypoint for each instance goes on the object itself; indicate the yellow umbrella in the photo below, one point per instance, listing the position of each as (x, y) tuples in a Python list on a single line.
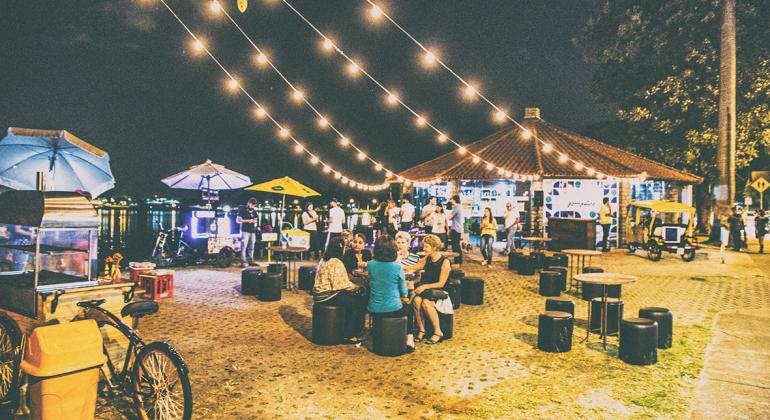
[(284, 186)]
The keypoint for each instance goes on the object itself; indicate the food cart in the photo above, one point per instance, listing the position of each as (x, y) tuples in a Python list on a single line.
[(658, 225), (48, 264)]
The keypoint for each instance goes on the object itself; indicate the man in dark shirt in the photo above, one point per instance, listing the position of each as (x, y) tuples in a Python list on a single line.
[(248, 218)]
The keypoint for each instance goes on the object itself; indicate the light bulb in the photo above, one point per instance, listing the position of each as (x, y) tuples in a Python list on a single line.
[(378, 167), (198, 45), (298, 148), (344, 141), (327, 169), (337, 175), (526, 134), (361, 155), (590, 171), (215, 6), (232, 84), (353, 68), (442, 137), (284, 133), (547, 148), (470, 91), (260, 113), (500, 171), (578, 166), (327, 44), (375, 12), (388, 174), (314, 160), (323, 122), (392, 98), (461, 150), (297, 95), (421, 121), (490, 166), (262, 60), (562, 158), (476, 159), (429, 58), (500, 116)]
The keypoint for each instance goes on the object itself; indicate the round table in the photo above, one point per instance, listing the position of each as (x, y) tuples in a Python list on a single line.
[(290, 252), (538, 242), (604, 279), (577, 260)]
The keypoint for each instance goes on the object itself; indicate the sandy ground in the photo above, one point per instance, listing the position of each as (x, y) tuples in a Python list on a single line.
[(251, 359)]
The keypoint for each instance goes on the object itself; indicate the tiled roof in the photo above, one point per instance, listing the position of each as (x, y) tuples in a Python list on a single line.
[(508, 149)]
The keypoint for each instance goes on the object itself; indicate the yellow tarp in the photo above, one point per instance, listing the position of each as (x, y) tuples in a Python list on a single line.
[(285, 186)]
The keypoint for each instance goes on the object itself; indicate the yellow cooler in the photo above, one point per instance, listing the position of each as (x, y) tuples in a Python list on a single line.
[(62, 362)]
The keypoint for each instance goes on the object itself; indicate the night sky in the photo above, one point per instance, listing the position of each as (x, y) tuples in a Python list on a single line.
[(121, 74)]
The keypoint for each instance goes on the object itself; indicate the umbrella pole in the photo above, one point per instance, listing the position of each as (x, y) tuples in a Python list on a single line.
[(280, 216)]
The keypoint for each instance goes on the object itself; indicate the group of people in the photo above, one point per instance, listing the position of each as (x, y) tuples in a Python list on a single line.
[(734, 229), (361, 281)]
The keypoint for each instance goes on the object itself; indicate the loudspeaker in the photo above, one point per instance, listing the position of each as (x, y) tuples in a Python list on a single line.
[(396, 191), (537, 199)]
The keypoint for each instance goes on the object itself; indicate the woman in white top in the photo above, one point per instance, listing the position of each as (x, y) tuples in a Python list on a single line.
[(438, 223), (310, 225)]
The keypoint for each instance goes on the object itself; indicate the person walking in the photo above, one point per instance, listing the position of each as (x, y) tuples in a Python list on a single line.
[(511, 227), (335, 221), (310, 225), (760, 227), (248, 218), (456, 227), (488, 235), (736, 226), (605, 220), (407, 215)]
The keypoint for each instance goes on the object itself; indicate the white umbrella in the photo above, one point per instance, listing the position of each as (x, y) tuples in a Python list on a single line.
[(209, 176)]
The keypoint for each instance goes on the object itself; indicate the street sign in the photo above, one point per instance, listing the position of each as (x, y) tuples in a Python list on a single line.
[(242, 5), (761, 184)]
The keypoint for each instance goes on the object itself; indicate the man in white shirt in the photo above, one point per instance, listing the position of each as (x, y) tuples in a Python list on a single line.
[(393, 219), (428, 209), (407, 215), (335, 221), (511, 227)]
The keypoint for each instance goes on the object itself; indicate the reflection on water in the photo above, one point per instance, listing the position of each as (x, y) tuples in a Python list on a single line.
[(132, 231)]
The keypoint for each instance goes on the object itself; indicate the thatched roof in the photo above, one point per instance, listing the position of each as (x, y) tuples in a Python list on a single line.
[(508, 149)]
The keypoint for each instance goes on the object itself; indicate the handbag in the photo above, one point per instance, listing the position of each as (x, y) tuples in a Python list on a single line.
[(434, 294)]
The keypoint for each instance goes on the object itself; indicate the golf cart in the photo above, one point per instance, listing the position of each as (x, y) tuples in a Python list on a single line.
[(657, 225)]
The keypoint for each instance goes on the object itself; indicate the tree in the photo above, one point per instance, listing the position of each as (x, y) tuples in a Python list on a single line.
[(658, 62)]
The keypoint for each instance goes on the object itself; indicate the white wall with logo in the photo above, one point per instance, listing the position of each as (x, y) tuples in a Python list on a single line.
[(581, 199)]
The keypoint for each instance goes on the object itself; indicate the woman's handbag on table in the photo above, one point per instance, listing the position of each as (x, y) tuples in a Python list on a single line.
[(434, 294)]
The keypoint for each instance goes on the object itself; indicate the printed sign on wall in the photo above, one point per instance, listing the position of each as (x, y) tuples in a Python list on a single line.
[(581, 199)]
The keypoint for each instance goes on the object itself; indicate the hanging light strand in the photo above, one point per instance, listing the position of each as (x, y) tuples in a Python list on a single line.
[(322, 120), (283, 131), (499, 113), (393, 97)]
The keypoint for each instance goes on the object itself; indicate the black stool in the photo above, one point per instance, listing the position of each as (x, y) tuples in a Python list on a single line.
[(527, 265), (563, 259), (549, 283), (270, 287), (389, 335), (554, 331), (328, 324), (306, 278), (513, 260), (562, 276), (665, 320), (550, 261), (456, 273), (560, 304), (638, 341), (279, 268), (445, 321), (454, 288), (250, 278), (588, 291), (614, 314), (539, 257), (472, 292)]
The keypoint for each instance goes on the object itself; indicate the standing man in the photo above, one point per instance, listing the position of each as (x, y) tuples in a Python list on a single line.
[(248, 218), (428, 210), (511, 227), (407, 215), (456, 228), (736, 226), (605, 219), (335, 221)]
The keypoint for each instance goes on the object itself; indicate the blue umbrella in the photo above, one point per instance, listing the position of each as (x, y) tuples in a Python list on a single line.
[(69, 163)]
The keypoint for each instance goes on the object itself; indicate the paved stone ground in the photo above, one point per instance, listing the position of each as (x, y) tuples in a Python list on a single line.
[(251, 359)]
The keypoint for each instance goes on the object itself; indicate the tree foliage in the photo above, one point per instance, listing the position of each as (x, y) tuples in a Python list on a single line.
[(658, 62)]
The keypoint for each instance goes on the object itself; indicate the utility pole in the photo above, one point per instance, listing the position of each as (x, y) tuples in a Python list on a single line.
[(724, 191)]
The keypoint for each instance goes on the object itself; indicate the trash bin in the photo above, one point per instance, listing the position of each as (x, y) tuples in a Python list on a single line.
[(62, 362)]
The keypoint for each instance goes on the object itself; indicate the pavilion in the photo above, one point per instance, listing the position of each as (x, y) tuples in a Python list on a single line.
[(567, 178)]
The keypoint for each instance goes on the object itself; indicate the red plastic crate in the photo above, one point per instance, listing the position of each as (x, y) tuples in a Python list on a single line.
[(157, 285), (136, 272)]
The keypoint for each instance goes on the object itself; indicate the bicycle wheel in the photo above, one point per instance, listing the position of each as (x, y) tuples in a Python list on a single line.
[(10, 359), (161, 385)]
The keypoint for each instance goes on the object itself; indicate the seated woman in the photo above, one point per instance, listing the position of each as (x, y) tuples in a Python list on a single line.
[(387, 286), (405, 256), (334, 288), (358, 254), (430, 298)]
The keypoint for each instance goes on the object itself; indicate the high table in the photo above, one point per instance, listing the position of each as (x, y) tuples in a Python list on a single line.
[(604, 279), (287, 254), (538, 242), (577, 260)]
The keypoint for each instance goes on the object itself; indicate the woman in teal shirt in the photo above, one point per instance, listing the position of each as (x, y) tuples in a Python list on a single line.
[(387, 286)]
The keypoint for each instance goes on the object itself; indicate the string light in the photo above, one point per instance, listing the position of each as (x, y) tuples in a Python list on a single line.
[(353, 69), (361, 156), (500, 116), (298, 148), (578, 166), (284, 133), (476, 159), (562, 158), (490, 166), (526, 134), (470, 91), (232, 84), (392, 98), (442, 137), (262, 60), (198, 45), (327, 44), (421, 121), (215, 6), (375, 12), (461, 150), (323, 122), (429, 58), (260, 112), (314, 160), (547, 148), (378, 167), (327, 169), (297, 95), (590, 171), (344, 141)]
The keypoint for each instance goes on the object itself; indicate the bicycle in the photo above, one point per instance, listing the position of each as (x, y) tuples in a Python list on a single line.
[(154, 374), (164, 249)]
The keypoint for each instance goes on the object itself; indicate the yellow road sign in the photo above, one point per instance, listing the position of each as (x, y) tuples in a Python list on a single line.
[(242, 5), (760, 184)]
